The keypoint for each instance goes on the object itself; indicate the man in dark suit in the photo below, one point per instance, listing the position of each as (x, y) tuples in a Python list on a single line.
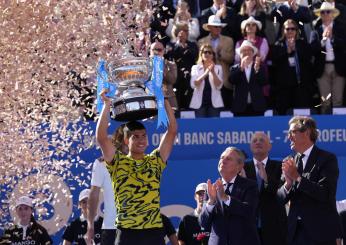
[(230, 210), (271, 215), (310, 186)]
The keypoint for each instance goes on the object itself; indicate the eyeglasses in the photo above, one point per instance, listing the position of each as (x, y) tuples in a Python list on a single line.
[(290, 29), (207, 52), (325, 12), (158, 49)]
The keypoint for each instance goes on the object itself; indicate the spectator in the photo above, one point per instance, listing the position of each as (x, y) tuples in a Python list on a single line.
[(137, 198), (271, 215), (159, 22), (196, 6), (206, 81), (291, 58), (290, 9), (250, 29), (310, 186), (169, 230), (169, 74), (253, 8), (225, 14), (230, 210), (223, 47), (184, 53), (76, 231), (190, 232), (248, 78), (183, 17), (329, 46), (27, 231)]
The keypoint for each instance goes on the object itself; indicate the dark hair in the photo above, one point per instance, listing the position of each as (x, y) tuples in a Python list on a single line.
[(118, 136), (304, 123), (132, 126)]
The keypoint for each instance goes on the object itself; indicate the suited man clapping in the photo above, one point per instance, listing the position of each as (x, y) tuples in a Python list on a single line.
[(230, 210)]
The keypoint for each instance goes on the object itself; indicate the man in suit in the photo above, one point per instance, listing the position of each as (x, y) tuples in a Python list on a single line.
[(225, 14), (271, 215), (230, 210), (223, 47), (329, 46), (310, 186), (248, 79)]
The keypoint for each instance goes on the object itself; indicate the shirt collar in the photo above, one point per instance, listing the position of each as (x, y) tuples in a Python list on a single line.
[(264, 161), (308, 152), (224, 182)]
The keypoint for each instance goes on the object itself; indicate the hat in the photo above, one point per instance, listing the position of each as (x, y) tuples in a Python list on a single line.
[(249, 20), (84, 194), (247, 43), (213, 20), (24, 200), (201, 187), (327, 6)]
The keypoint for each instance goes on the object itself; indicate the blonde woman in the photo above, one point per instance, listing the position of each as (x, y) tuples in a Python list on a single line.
[(206, 82)]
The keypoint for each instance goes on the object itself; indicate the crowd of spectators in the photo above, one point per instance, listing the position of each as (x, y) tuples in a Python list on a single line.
[(301, 45)]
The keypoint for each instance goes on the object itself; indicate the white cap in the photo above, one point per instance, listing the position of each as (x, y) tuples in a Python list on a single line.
[(247, 43), (201, 187), (24, 200), (84, 194)]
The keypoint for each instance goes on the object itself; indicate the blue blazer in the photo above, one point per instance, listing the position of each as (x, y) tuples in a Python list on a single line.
[(234, 224), (313, 200)]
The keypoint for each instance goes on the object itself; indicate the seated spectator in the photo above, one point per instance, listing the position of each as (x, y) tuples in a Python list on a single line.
[(329, 47), (183, 17), (184, 53), (248, 78), (223, 47), (226, 16), (190, 231), (252, 8), (76, 231), (291, 10), (206, 81), (27, 231), (291, 58)]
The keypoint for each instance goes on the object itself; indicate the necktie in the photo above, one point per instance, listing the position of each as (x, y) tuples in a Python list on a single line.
[(258, 176), (227, 191), (300, 164)]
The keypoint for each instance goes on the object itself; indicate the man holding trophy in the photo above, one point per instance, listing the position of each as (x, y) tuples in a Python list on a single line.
[(135, 176)]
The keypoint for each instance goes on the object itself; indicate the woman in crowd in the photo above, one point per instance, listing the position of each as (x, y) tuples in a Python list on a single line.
[(291, 57), (206, 82), (27, 231), (184, 53), (183, 17)]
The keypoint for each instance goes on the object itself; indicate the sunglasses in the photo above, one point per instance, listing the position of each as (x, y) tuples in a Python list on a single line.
[(290, 29), (158, 49), (326, 12), (207, 52)]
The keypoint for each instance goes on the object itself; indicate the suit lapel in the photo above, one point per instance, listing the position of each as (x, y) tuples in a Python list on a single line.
[(310, 164), (251, 174)]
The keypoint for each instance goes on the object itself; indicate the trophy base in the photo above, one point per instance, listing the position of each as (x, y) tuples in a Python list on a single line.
[(134, 108)]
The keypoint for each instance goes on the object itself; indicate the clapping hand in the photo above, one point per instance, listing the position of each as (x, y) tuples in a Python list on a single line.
[(257, 63), (327, 33), (245, 62), (291, 45)]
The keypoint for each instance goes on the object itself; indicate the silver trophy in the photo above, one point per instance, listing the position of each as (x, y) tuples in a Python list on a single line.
[(132, 101)]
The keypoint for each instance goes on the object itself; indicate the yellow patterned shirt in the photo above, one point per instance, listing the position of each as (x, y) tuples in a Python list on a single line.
[(136, 185)]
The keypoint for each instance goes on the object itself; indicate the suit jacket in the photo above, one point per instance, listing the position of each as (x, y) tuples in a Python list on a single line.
[(338, 42), (313, 199), (234, 224), (272, 214), (243, 87), (224, 55)]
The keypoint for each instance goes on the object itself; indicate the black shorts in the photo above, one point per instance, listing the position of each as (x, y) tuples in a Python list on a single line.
[(153, 236), (108, 237)]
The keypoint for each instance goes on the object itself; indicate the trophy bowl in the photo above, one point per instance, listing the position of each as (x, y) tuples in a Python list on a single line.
[(132, 101)]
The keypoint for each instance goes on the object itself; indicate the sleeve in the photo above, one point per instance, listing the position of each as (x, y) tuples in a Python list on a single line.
[(182, 231), (167, 225), (97, 177), (68, 233), (45, 238), (194, 76), (219, 73)]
